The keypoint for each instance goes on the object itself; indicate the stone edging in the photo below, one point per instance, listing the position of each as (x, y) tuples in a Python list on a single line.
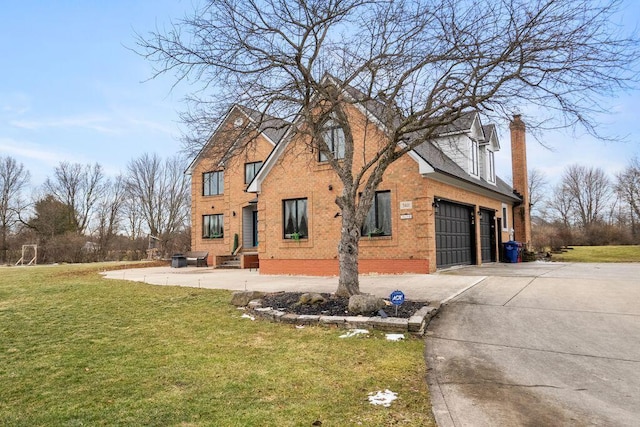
[(416, 324)]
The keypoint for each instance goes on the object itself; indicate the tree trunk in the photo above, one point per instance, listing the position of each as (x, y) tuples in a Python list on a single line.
[(4, 250), (348, 249)]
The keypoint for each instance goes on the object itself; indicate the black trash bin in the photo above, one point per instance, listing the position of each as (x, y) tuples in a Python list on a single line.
[(178, 260), (511, 250)]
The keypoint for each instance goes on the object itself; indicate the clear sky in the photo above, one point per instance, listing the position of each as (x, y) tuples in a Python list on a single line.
[(71, 90)]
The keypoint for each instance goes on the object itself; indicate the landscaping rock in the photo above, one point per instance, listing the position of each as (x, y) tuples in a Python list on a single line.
[(365, 304), (311, 298), (242, 298)]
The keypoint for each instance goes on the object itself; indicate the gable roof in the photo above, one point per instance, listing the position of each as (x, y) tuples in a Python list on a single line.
[(431, 159), (441, 163), (462, 124), (272, 128), (490, 136)]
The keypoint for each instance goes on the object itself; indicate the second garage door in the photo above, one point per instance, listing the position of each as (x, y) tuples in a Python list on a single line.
[(488, 235), (454, 235)]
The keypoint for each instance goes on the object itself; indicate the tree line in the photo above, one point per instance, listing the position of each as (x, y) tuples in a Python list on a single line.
[(80, 214), (586, 207)]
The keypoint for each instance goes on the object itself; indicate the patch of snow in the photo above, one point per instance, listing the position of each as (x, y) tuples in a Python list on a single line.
[(383, 398), (394, 337), (299, 326), (354, 332), (246, 316), (262, 309)]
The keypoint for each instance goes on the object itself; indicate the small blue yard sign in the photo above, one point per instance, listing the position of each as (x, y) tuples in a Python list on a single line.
[(397, 297)]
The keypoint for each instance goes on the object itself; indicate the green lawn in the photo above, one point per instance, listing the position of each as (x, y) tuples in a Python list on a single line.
[(76, 350), (600, 254)]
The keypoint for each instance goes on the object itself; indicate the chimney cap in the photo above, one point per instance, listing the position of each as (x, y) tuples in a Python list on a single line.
[(517, 122)]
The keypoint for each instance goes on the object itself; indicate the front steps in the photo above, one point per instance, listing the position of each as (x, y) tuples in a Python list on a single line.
[(228, 262)]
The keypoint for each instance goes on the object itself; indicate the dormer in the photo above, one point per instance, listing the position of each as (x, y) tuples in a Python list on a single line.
[(460, 141), (488, 145), (471, 145)]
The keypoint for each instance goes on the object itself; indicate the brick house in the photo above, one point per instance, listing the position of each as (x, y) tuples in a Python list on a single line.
[(220, 206), (439, 206)]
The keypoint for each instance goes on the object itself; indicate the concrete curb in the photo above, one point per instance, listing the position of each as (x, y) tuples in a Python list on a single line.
[(416, 324)]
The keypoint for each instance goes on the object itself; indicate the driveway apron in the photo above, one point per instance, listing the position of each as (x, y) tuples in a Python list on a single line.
[(539, 344)]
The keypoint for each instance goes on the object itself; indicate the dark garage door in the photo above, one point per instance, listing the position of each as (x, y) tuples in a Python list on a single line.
[(488, 235), (454, 241)]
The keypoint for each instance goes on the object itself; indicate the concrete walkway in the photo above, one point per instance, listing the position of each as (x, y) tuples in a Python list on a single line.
[(435, 288), (539, 344)]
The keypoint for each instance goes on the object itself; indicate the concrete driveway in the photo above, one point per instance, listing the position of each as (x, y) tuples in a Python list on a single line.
[(539, 344)]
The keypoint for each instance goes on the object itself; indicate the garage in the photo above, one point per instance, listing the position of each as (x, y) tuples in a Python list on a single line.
[(454, 235), (487, 235)]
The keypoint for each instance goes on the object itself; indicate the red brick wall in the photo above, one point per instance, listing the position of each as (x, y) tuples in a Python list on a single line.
[(232, 200), (298, 174)]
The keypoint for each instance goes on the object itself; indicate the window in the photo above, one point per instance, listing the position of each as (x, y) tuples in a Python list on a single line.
[(473, 169), (378, 222), (505, 219), (212, 183), (333, 136), (295, 219), (491, 163), (250, 171), (213, 226)]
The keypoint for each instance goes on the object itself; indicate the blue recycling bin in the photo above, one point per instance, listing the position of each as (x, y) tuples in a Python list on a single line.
[(511, 250)]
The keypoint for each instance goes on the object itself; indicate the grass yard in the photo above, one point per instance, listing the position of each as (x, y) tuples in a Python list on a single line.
[(600, 254), (76, 349)]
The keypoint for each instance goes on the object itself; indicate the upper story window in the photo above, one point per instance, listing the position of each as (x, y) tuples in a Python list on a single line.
[(473, 158), (333, 136), (212, 183), (491, 166), (378, 222), (213, 226), (295, 220), (250, 171)]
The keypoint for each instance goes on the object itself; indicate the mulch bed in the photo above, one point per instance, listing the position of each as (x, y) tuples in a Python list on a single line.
[(334, 306)]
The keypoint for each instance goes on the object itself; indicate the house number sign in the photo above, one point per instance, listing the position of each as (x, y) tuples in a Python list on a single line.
[(406, 205)]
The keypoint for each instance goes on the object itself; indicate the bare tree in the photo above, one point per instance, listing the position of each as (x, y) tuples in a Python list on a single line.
[(79, 187), (133, 218), (628, 188), (590, 191), (560, 204), (161, 192), (109, 213), (537, 188), (13, 179), (417, 65)]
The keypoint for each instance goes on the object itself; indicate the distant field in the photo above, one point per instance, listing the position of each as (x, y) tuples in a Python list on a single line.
[(76, 349), (600, 254)]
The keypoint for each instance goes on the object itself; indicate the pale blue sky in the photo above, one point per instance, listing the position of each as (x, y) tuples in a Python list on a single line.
[(70, 90)]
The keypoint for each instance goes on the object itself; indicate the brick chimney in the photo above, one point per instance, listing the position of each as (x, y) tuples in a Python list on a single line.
[(521, 213)]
